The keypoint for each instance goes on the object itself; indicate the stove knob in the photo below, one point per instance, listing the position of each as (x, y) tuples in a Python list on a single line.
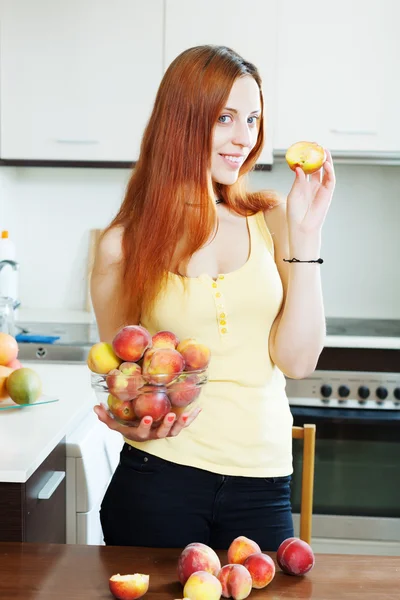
[(326, 390), (344, 391), (396, 393), (381, 392), (363, 392)]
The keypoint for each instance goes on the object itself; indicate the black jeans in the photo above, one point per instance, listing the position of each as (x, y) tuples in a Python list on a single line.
[(157, 503)]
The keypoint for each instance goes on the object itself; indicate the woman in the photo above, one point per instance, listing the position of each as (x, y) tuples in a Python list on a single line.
[(191, 251)]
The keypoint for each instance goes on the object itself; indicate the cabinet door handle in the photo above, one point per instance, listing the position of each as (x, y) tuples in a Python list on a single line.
[(71, 141), (51, 485), (353, 132)]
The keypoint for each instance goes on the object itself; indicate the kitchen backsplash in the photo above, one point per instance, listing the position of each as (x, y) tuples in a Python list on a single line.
[(49, 212)]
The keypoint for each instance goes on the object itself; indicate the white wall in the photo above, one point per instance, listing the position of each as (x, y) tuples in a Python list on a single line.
[(49, 212)]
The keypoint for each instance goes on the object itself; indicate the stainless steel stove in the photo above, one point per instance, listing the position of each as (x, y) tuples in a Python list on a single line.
[(383, 328), (351, 377)]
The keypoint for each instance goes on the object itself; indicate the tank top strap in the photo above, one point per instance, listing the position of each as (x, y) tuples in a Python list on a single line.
[(260, 233)]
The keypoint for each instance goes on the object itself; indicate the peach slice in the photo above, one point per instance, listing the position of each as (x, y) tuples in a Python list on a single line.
[(129, 587), (309, 156)]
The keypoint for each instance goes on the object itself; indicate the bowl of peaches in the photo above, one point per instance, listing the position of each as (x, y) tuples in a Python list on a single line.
[(139, 375)]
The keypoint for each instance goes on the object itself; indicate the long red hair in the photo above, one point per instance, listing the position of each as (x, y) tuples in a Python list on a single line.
[(168, 212)]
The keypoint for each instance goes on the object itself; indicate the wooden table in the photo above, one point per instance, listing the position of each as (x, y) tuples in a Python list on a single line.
[(68, 572)]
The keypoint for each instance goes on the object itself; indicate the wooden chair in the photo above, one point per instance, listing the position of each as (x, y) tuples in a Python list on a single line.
[(307, 434)]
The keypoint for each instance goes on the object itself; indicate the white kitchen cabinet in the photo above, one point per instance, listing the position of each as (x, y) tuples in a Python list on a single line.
[(338, 75), (78, 78), (248, 28)]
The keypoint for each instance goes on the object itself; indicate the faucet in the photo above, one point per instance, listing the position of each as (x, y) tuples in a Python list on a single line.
[(15, 266), (12, 263)]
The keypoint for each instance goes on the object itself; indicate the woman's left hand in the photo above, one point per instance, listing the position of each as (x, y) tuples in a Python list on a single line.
[(309, 199)]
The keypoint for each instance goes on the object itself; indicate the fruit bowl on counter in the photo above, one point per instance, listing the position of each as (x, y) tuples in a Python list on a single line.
[(139, 375)]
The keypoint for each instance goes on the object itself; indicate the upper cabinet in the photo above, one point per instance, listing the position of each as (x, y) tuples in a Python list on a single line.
[(78, 78), (338, 75), (246, 27)]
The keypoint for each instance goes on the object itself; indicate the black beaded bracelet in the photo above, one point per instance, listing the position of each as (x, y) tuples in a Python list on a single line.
[(296, 260)]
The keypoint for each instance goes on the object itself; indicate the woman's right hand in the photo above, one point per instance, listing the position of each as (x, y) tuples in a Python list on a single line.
[(171, 425)]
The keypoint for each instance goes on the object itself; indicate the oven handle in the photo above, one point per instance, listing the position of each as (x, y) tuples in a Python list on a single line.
[(348, 415)]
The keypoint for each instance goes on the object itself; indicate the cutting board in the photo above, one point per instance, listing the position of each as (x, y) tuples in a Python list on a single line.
[(94, 236)]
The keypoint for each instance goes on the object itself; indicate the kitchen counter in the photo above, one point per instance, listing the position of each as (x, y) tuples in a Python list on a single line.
[(29, 434), (43, 571)]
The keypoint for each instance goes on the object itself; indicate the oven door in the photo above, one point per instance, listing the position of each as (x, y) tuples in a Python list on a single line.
[(357, 473)]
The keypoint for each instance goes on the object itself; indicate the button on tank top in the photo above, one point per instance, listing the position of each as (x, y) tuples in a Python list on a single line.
[(245, 426)]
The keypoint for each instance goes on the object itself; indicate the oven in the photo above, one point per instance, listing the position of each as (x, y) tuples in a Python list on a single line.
[(353, 397)]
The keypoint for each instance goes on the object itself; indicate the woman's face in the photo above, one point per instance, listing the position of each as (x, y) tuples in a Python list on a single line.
[(236, 131)]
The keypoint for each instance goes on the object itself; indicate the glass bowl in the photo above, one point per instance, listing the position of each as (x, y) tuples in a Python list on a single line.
[(129, 398)]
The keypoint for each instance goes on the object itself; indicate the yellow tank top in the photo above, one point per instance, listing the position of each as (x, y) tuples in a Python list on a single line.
[(245, 425)]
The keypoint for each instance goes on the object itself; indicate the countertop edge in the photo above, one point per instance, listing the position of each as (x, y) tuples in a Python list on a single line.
[(23, 476)]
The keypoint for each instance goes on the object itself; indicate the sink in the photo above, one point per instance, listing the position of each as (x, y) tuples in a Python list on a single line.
[(53, 353), (72, 346)]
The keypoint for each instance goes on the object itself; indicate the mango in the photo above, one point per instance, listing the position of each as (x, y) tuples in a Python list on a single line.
[(24, 386)]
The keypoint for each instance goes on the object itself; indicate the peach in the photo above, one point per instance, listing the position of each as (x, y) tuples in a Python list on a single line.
[(162, 365), (236, 582), (240, 549), (197, 557), (124, 387), (295, 557), (4, 373), (121, 409), (309, 156), (165, 339), (152, 402), (102, 358), (129, 587), (131, 342), (202, 585), (8, 348), (14, 364), (182, 393), (261, 568), (196, 355)]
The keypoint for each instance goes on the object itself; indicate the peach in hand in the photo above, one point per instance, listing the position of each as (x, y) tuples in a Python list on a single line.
[(131, 342), (261, 568), (295, 557), (162, 365), (102, 358), (152, 402), (241, 548), (196, 355), (129, 587), (165, 339), (236, 582), (182, 393), (121, 409), (202, 585), (309, 156), (197, 557)]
